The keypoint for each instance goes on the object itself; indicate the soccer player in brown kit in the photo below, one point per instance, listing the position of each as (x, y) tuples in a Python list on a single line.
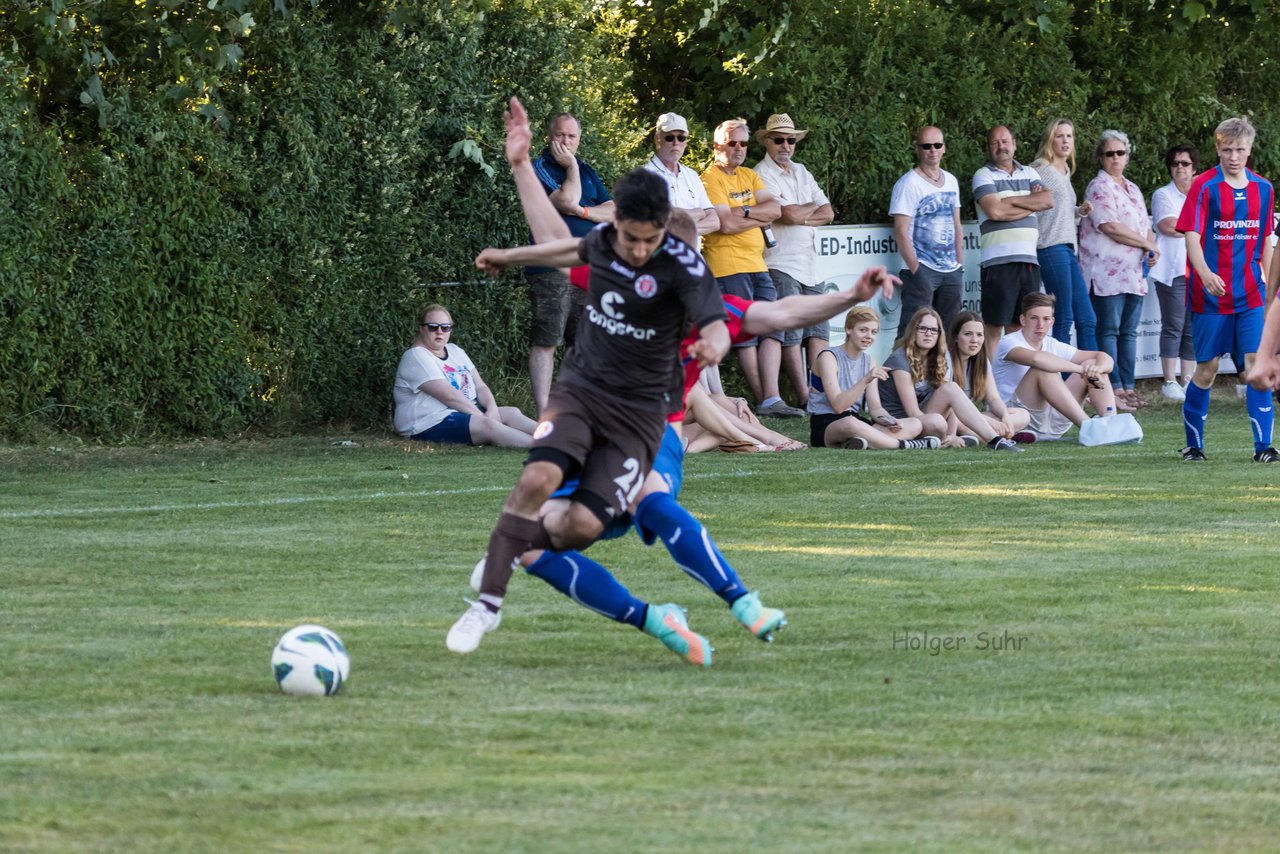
[(607, 411)]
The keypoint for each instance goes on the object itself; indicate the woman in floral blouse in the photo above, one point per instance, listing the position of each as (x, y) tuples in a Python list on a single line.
[(1114, 237)]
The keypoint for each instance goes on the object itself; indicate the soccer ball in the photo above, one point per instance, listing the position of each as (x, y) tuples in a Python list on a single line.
[(310, 661)]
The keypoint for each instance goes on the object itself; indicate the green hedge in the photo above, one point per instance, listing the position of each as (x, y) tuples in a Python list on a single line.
[(226, 216)]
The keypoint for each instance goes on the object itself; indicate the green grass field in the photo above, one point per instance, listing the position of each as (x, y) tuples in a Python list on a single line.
[(1111, 683)]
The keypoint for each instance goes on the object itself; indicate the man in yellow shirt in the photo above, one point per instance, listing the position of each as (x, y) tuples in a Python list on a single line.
[(735, 254)]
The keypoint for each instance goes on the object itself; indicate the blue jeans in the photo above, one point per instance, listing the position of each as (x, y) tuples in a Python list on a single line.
[(1118, 318), (1060, 271)]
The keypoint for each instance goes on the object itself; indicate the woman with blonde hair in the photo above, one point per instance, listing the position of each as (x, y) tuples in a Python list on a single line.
[(1057, 248), (919, 386), (844, 406)]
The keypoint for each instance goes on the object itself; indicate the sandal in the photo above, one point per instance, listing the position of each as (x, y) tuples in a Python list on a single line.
[(739, 446)]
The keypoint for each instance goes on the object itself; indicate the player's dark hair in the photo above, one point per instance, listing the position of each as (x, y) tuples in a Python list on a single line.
[(1189, 150), (641, 196)]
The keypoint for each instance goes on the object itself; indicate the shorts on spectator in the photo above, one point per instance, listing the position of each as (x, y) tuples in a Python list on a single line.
[(788, 286), (556, 305), (1003, 287), (1046, 423), (455, 429), (753, 286), (1217, 334), (818, 425)]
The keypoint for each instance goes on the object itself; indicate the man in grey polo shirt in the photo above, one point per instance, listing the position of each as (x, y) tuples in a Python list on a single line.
[(793, 261), (1008, 196), (684, 185)]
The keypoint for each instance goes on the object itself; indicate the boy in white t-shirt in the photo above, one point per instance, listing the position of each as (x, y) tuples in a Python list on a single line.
[(1028, 369)]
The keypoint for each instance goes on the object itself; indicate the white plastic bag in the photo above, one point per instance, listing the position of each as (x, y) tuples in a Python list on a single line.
[(1110, 430)]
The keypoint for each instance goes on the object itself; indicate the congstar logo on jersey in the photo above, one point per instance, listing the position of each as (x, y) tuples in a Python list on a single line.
[(612, 319)]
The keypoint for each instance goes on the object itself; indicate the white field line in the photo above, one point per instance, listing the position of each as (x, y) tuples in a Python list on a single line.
[(863, 463)]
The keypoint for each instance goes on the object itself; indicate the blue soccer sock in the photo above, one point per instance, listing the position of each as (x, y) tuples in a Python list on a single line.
[(590, 585), (1261, 417), (1195, 412), (689, 544)]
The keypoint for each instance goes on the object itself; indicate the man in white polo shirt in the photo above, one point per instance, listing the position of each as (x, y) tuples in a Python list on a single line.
[(1008, 196), (684, 185), (793, 261)]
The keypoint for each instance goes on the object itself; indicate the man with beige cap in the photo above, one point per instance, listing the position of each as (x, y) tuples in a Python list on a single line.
[(684, 187), (793, 261)]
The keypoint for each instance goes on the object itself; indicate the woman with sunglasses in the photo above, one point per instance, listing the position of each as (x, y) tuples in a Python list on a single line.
[(919, 386), (1113, 240), (1056, 248), (1170, 272), (440, 396)]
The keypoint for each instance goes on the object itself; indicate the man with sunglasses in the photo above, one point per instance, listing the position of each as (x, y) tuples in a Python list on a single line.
[(925, 206), (793, 262), (736, 255), (684, 187)]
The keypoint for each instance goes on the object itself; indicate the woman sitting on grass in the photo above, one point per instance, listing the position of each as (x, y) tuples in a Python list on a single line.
[(918, 387), (440, 397), (972, 372), (844, 407)]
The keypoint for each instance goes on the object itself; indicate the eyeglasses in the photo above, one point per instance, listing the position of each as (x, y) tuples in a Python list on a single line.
[(931, 144), (439, 327), (928, 330), (675, 137), (1182, 163), (783, 140), (1119, 153), (735, 143)]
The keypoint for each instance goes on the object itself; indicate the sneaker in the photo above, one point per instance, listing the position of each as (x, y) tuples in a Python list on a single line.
[(857, 443), (928, 443), (475, 622), (970, 441), (667, 623), (1267, 455), (1174, 391), (1192, 455), (779, 409), (999, 443), (1024, 437), (759, 620)]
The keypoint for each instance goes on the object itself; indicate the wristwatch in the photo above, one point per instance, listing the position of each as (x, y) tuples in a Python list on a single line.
[(746, 211)]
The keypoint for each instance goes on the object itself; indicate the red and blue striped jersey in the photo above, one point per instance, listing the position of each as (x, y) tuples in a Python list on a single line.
[(1234, 225)]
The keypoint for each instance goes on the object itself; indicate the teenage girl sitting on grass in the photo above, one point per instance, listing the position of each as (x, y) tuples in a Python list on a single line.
[(918, 388), (844, 404)]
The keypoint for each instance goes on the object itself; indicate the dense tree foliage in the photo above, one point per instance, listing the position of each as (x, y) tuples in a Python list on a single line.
[(224, 214)]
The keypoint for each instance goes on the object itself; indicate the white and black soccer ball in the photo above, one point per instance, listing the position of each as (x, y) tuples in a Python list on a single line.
[(310, 661)]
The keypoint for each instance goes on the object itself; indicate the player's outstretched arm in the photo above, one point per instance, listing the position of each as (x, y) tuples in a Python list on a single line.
[(712, 344), (792, 312), (557, 253), (544, 222)]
